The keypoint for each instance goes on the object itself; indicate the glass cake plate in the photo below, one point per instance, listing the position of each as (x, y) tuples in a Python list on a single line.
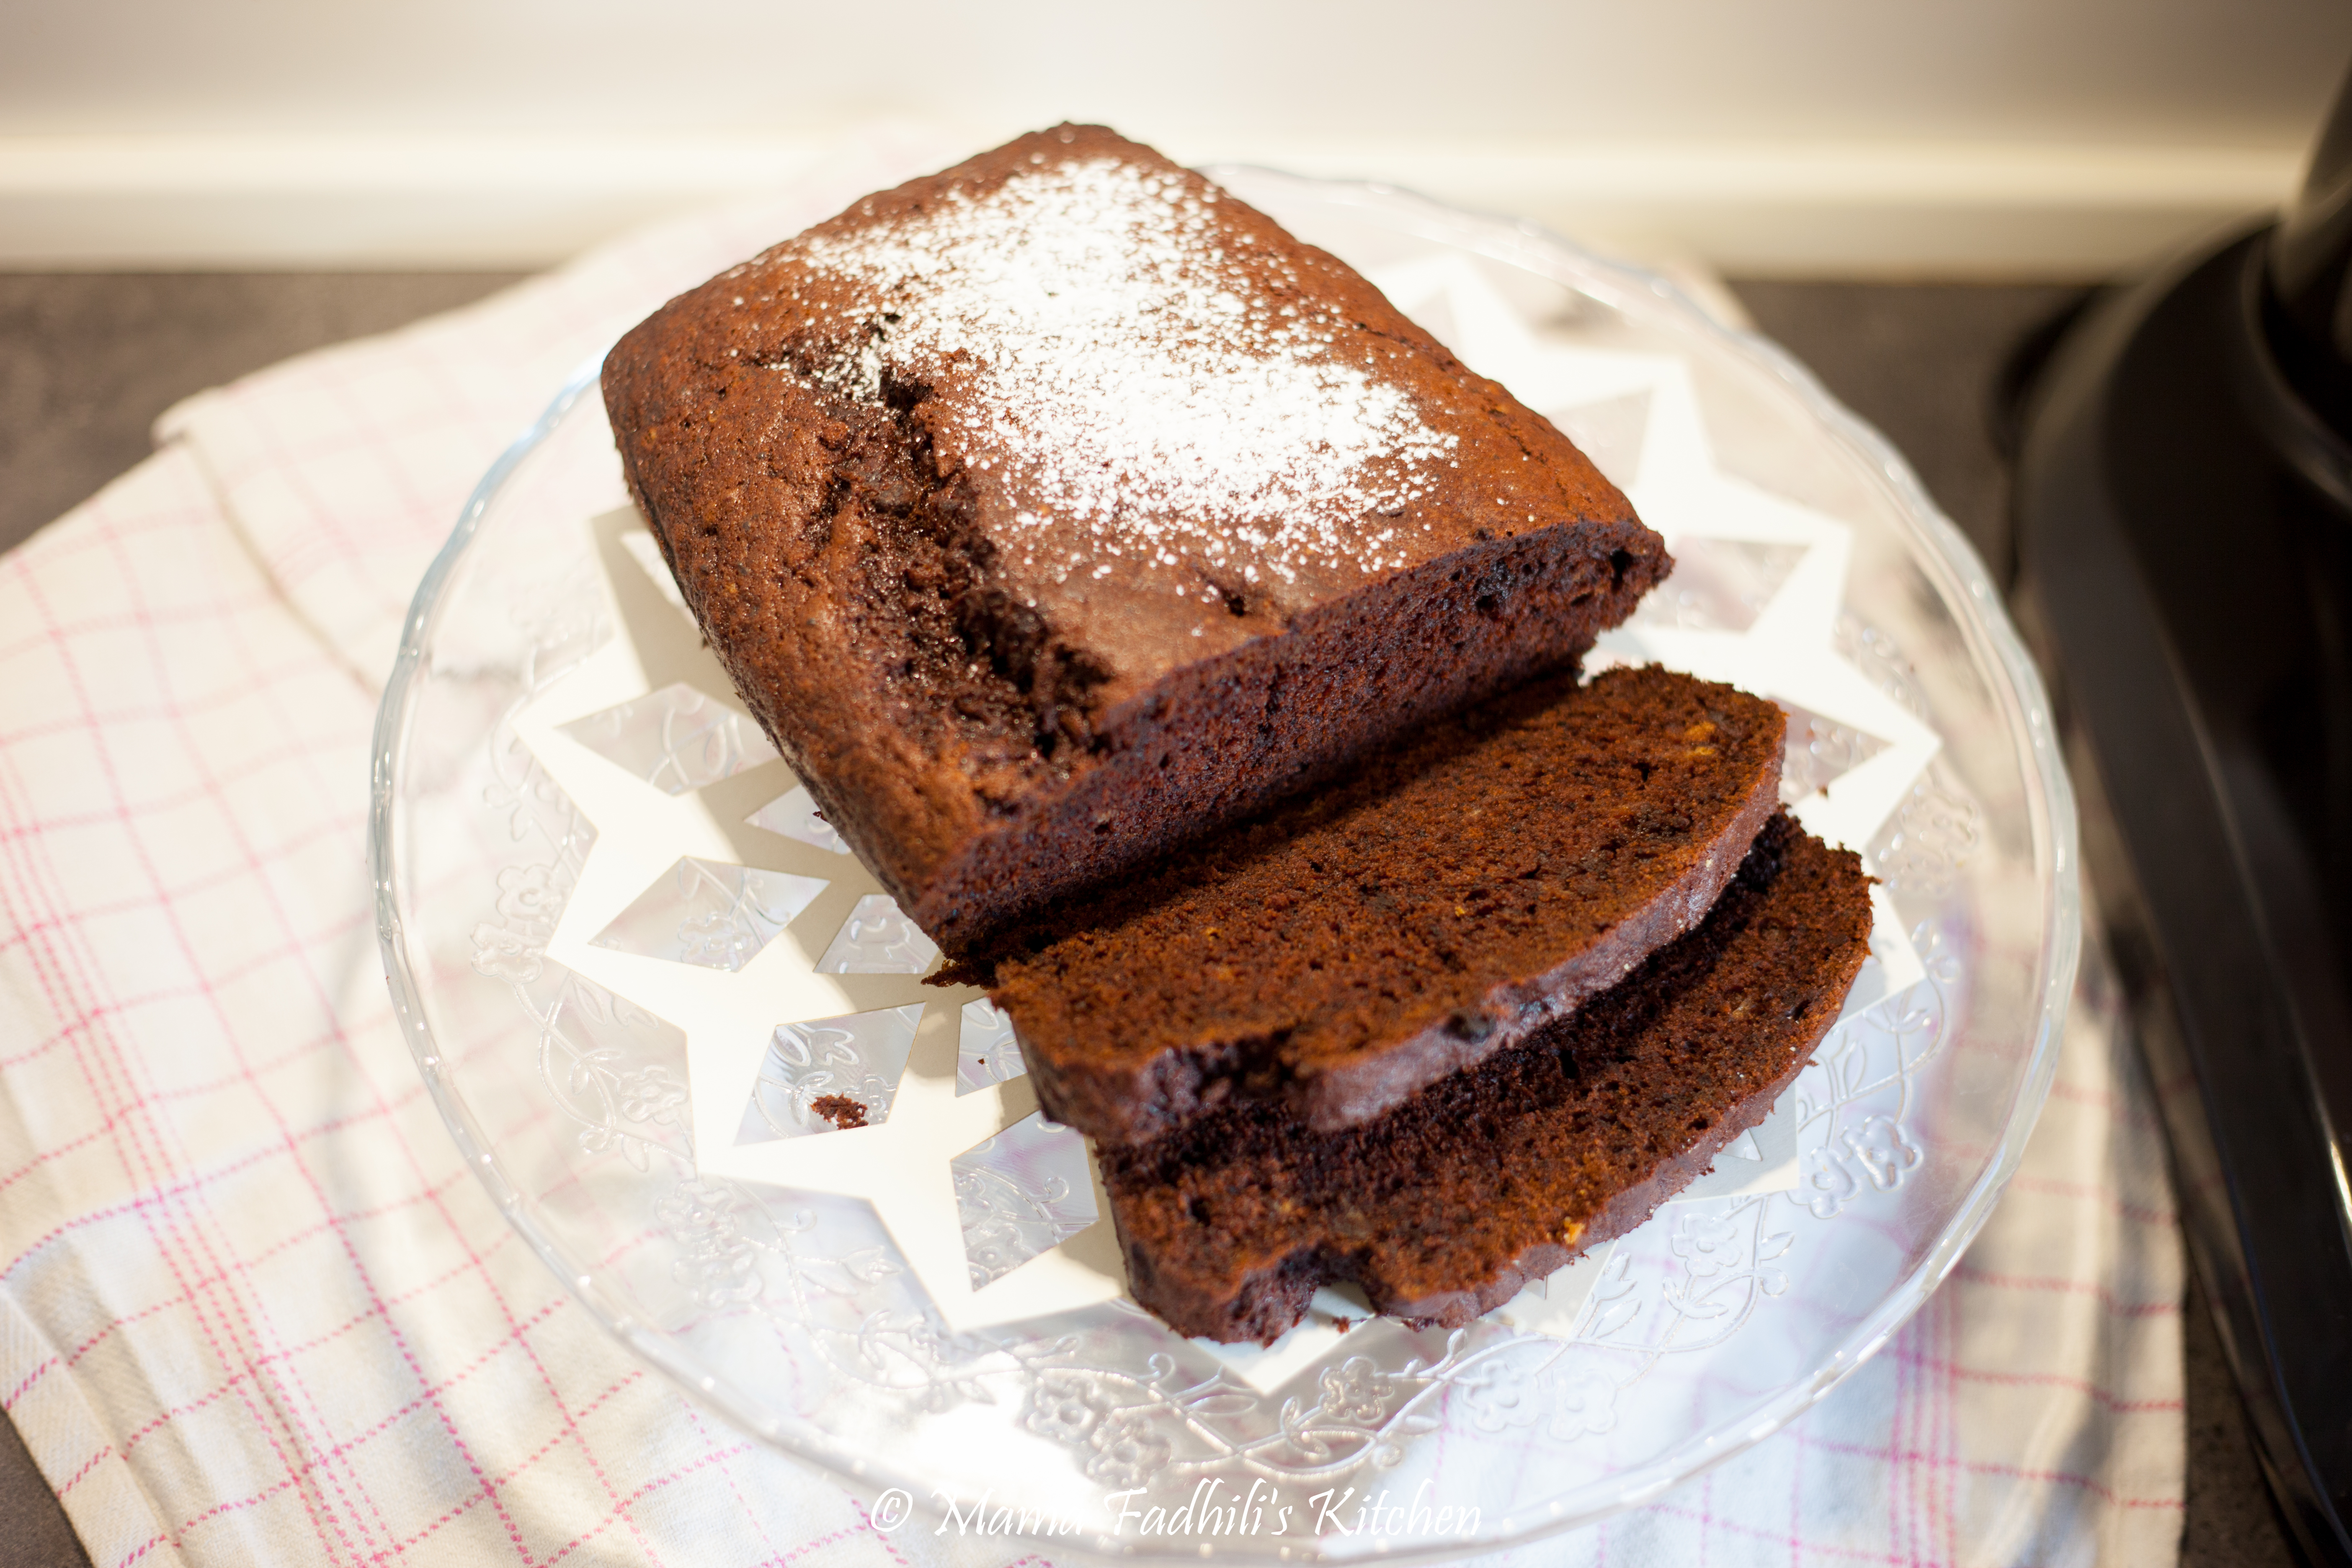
[(653, 996)]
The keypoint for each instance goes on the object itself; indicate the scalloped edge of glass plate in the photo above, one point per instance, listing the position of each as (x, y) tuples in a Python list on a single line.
[(1949, 560)]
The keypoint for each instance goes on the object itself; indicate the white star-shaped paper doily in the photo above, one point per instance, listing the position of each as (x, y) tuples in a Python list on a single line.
[(1636, 412)]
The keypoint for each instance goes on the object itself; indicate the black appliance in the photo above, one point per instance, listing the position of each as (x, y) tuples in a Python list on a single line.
[(2184, 512)]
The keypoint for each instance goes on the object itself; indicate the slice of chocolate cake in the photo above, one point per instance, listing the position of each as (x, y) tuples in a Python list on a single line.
[(1052, 510), (1446, 1206), (1452, 896)]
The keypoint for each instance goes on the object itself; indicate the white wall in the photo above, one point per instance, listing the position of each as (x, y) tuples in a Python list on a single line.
[(1937, 135)]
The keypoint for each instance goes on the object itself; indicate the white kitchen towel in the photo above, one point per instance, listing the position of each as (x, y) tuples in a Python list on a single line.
[(253, 1309)]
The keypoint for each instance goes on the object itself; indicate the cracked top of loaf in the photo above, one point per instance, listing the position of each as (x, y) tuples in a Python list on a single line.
[(993, 483)]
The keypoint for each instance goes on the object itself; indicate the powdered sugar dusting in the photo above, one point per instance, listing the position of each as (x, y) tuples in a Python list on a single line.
[(1128, 380)]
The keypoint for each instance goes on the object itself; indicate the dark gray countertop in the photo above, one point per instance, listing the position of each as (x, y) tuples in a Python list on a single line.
[(87, 361)]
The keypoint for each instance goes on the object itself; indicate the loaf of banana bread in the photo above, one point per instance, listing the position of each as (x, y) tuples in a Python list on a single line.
[(1052, 509)]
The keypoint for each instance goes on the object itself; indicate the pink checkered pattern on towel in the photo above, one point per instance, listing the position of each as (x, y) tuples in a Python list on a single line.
[(253, 1309)]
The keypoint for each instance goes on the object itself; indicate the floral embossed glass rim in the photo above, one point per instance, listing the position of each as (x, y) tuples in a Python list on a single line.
[(548, 702)]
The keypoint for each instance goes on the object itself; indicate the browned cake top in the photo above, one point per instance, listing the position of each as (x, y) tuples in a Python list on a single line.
[(1351, 946), (1175, 426), (1446, 1206), (1156, 383)]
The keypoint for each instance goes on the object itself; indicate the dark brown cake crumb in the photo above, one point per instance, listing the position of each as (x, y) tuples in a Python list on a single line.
[(1445, 1208), (1452, 898), (843, 1110)]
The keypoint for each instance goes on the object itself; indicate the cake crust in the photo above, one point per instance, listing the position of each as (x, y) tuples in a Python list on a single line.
[(1444, 1208), (1059, 507), (1454, 895)]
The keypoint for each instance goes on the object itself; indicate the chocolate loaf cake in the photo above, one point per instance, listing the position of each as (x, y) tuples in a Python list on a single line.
[(1452, 896), (1446, 1206), (1052, 510)]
